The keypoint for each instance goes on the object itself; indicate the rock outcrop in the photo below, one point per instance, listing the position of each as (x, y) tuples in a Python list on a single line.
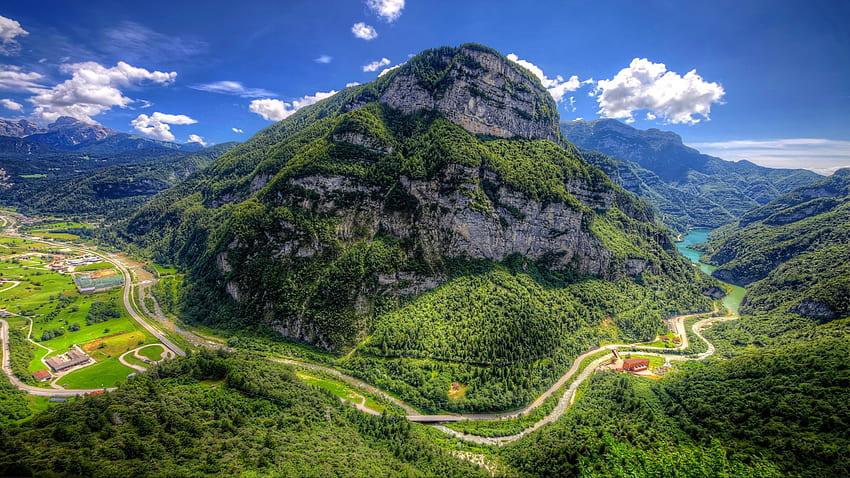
[(478, 89)]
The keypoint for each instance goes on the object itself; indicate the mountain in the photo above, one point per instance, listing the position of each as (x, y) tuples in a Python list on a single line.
[(110, 186), (14, 147), (71, 133), (678, 209), (720, 190), (18, 129), (122, 187), (794, 251), (123, 142), (432, 216)]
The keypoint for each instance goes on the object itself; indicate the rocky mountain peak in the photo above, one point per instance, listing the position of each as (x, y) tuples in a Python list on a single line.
[(476, 88), (67, 133), (19, 128), (80, 129)]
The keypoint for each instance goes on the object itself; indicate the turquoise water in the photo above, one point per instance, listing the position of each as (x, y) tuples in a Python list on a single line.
[(733, 300)]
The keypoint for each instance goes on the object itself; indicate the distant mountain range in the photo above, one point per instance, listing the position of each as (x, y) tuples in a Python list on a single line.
[(688, 188), (71, 134), (72, 167)]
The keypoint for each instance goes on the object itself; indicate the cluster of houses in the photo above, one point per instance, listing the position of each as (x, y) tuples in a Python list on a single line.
[(68, 265)]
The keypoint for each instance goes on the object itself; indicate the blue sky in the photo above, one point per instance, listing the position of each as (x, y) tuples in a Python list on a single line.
[(765, 80)]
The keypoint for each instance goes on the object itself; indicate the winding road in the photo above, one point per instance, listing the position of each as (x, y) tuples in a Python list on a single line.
[(576, 375), (129, 305)]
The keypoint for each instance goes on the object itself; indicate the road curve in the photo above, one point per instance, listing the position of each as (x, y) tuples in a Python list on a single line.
[(42, 392), (564, 402), (128, 289)]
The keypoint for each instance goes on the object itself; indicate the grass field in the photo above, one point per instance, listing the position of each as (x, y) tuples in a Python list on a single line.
[(341, 390), (63, 236), (130, 358), (653, 360), (109, 373), (104, 348), (153, 353), (164, 270), (56, 225), (94, 267)]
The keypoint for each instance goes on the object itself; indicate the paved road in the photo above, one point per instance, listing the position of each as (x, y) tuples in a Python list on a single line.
[(43, 392), (128, 287), (566, 400), (128, 304)]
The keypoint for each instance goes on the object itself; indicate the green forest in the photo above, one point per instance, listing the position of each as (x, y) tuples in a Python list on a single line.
[(224, 415)]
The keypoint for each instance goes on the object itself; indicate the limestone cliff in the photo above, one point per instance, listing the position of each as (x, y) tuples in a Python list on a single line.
[(478, 89), (451, 162)]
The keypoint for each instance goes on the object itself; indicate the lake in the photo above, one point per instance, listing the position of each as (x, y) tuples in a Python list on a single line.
[(696, 236)]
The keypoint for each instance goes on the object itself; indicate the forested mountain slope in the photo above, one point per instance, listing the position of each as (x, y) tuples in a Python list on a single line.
[(105, 185), (446, 175), (794, 251), (698, 190)]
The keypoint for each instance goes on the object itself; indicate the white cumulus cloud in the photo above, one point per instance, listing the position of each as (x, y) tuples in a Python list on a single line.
[(376, 64), (11, 105), (645, 85), (364, 31), (235, 88), (237, 130), (9, 30), (822, 156), (558, 86), (92, 90), (157, 125), (193, 138), (325, 59), (352, 83), (389, 10), (276, 110), (13, 79)]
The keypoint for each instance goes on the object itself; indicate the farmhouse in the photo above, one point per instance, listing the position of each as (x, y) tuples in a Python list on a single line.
[(67, 360), (42, 375), (635, 364)]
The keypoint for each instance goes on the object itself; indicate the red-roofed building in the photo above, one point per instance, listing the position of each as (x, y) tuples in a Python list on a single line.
[(96, 392), (635, 364), (42, 375)]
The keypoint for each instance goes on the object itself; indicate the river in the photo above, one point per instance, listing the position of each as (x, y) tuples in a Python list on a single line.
[(733, 300)]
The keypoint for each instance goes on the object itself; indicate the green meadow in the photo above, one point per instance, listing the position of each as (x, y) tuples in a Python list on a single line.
[(59, 314)]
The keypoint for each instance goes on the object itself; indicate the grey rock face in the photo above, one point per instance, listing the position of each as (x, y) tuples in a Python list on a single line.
[(18, 129), (487, 95), (813, 308)]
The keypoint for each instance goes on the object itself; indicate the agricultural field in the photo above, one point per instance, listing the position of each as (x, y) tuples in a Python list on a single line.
[(56, 230), (63, 318)]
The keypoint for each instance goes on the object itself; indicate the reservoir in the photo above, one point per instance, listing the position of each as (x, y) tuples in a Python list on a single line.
[(733, 300)]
